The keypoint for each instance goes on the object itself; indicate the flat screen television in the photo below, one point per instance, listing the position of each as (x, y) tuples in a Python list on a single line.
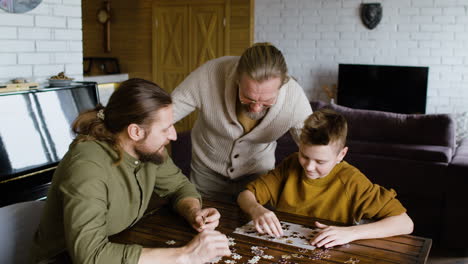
[(398, 89)]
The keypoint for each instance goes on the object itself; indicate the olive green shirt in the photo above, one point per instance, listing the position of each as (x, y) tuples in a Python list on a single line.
[(91, 199)]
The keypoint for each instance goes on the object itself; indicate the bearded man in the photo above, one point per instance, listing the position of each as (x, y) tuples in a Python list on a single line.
[(104, 183)]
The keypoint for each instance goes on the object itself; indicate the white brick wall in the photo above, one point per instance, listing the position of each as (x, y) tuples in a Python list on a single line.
[(316, 35), (41, 43)]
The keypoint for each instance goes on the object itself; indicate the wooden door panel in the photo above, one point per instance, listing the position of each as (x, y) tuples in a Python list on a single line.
[(206, 33), (171, 45), (172, 79), (189, 33)]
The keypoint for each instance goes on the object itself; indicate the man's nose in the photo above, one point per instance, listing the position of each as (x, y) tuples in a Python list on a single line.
[(256, 107), (172, 134)]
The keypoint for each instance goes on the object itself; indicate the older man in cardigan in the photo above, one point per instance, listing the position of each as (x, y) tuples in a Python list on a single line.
[(245, 104)]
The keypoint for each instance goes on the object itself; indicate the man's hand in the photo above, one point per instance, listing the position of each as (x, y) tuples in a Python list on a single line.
[(330, 236), (204, 247), (265, 221), (205, 219), (199, 219)]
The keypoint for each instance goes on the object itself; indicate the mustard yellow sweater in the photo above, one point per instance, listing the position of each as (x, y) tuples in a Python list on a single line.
[(345, 195)]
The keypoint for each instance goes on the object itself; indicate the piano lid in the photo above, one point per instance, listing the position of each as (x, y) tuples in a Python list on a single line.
[(35, 126)]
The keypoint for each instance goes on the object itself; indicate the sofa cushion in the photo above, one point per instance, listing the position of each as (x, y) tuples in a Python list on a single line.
[(181, 152), (403, 151), (379, 126), (285, 147)]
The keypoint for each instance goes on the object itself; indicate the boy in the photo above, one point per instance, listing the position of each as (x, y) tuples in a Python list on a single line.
[(317, 182)]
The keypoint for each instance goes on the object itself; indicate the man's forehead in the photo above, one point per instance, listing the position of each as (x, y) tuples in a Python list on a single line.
[(271, 85), (163, 116)]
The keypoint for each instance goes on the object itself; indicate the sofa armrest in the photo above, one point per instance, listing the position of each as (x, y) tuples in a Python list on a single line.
[(455, 230)]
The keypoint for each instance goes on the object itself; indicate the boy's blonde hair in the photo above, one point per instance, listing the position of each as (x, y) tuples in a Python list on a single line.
[(261, 62), (324, 127)]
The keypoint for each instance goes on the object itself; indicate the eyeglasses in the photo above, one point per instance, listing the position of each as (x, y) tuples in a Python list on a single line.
[(264, 105)]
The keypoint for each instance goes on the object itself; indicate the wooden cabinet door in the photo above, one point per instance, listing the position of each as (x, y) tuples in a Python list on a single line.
[(171, 48), (206, 33), (171, 53), (188, 33)]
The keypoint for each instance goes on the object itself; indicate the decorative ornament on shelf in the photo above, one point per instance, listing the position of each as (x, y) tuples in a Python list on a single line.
[(330, 92), (371, 14), (60, 80), (18, 84)]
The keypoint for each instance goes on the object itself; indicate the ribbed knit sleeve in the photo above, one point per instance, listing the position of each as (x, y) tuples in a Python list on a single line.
[(300, 112), (186, 96)]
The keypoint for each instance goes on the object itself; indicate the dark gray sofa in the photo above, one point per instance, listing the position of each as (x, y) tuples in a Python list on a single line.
[(409, 153), (414, 154)]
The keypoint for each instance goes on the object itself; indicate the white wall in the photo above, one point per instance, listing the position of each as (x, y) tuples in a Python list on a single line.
[(42, 42), (316, 35)]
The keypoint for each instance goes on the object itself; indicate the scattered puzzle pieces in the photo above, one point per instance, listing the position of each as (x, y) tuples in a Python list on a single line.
[(170, 242), (352, 261)]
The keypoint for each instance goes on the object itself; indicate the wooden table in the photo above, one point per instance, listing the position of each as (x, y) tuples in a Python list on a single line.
[(162, 224)]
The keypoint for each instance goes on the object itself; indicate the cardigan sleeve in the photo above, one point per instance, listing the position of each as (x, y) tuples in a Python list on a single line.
[(301, 111), (186, 96)]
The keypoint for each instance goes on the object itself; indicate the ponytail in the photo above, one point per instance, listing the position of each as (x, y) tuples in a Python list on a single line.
[(90, 126)]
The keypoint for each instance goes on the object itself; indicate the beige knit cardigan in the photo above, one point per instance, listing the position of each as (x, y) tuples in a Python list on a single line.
[(218, 140)]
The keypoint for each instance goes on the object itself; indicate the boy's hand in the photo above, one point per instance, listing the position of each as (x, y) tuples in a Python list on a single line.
[(330, 236), (265, 221), (205, 219)]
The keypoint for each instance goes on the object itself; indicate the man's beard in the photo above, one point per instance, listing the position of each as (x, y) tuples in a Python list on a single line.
[(254, 115), (154, 157)]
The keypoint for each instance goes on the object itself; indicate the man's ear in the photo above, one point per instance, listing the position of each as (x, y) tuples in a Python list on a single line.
[(135, 132)]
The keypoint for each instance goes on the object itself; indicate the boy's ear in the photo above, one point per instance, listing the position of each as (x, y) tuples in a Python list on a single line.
[(135, 132), (342, 153)]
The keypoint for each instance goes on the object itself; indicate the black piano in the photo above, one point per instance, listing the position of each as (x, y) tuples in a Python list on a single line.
[(35, 132)]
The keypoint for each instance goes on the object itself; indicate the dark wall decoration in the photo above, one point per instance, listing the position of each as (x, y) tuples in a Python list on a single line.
[(371, 14)]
